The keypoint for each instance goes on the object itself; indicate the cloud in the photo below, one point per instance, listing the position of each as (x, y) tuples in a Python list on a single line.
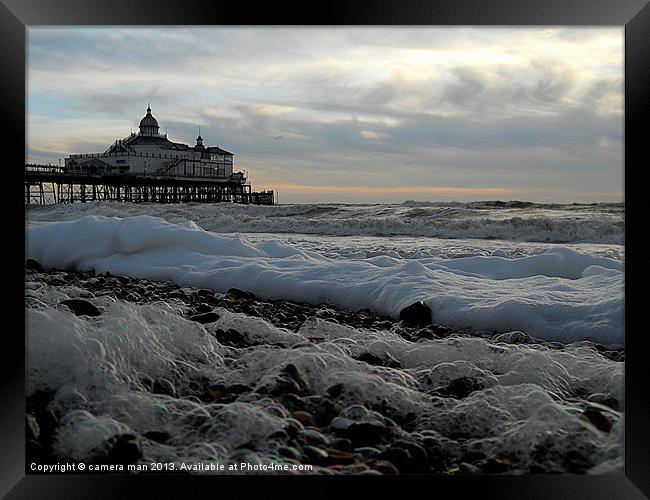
[(465, 107)]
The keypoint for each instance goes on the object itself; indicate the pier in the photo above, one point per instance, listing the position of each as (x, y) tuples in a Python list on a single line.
[(46, 184)]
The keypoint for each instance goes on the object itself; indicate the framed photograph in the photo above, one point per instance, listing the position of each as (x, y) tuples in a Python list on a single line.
[(371, 239)]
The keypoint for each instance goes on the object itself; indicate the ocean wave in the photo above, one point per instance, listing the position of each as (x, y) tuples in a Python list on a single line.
[(559, 295), (602, 223)]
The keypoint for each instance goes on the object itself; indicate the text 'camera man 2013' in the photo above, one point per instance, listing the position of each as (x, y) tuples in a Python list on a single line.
[(144, 167)]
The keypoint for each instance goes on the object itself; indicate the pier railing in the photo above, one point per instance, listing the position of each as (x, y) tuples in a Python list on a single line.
[(46, 184)]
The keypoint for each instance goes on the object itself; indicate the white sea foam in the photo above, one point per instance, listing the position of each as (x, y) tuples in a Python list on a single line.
[(526, 403), (559, 295)]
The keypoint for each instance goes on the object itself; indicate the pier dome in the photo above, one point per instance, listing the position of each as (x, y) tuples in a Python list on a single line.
[(148, 124)]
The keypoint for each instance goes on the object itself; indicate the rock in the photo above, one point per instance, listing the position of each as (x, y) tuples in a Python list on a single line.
[(119, 449), (205, 318), (385, 467), (280, 435), (386, 360), (33, 265), (605, 401), (461, 387), (304, 417), (292, 402), (47, 424), (157, 436), (400, 458), (465, 468), (80, 307), (498, 464), (204, 293), (416, 451), (339, 457), (341, 444), (289, 452), (231, 337), (297, 375), (202, 308), (576, 463), (597, 419), (334, 391), (417, 314), (366, 433), (314, 437), (283, 384), (240, 294), (314, 455), (164, 386), (32, 430), (515, 337), (472, 457), (293, 428)]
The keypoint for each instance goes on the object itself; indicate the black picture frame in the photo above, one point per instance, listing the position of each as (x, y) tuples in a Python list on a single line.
[(634, 15)]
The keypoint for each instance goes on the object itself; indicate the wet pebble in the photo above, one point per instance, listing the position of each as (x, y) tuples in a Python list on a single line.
[(80, 307)]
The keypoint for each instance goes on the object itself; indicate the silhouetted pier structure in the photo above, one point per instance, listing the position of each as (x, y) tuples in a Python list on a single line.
[(45, 184)]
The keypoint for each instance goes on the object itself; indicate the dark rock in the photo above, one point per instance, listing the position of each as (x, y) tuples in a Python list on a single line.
[(157, 436), (467, 468), (371, 359), (341, 443), (293, 428), (297, 375), (32, 431), (386, 360), (327, 410), (239, 388), (289, 452), (385, 467), (240, 294), (231, 337), (305, 418), (417, 314), (416, 451), (366, 433), (126, 449), (80, 307), (605, 401), (597, 419), (280, 435), (204, 293), (164, 386), (461, 387), (119, 449), (204, 318), (33, 265), (48, 423), (576, 463), (339, 457), (314, 437), (499, 464), (202, 308), (314, 455), (334, 391), (400, 458), (283, 384), (292, 402), (473, 457)]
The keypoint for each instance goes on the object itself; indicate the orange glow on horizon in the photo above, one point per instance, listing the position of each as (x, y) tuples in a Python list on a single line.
[(378, 190)]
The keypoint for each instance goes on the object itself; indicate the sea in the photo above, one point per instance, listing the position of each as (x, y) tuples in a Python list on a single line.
[(493, 270)]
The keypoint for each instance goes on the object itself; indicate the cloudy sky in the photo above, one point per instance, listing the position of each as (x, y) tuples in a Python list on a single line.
[(350, 114)]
